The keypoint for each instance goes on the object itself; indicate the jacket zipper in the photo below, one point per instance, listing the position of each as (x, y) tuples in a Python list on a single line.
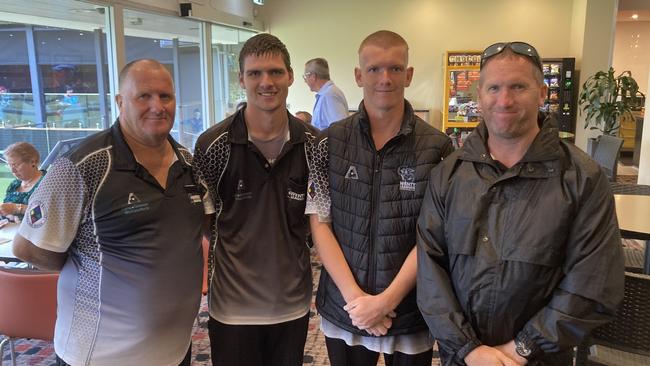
[(374, 221)]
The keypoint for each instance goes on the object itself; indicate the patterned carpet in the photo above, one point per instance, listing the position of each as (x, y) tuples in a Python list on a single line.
[(40, 353)]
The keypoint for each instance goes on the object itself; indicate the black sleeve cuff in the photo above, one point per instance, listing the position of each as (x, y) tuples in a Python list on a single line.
[(467, 348)]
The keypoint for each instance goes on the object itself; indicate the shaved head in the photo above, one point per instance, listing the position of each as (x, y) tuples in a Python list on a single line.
[(384, 39)]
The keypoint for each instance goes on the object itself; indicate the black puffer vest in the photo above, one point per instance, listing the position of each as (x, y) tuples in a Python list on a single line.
[(376, 197)]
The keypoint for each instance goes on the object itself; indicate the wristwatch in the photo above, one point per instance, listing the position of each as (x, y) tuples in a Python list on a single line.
[(522, 350)]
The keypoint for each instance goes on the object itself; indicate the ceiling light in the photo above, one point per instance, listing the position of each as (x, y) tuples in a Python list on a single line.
[(635, 16)]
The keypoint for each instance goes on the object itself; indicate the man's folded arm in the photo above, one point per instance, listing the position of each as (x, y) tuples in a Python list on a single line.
[(40, 258)]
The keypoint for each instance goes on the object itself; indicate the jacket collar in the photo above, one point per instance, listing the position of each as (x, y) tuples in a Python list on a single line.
[(408, 122), (238, 132), (545, 146), (123, 156)]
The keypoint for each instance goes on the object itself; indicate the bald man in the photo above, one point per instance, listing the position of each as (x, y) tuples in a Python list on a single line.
[(120, 217)]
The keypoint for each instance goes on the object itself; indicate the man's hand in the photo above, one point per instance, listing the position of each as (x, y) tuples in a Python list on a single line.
[(381, 328), (509, 350), (368, 310), (488, 356)]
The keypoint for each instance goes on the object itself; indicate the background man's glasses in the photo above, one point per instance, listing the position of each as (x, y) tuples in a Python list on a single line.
[(306, 75), (520, 48)]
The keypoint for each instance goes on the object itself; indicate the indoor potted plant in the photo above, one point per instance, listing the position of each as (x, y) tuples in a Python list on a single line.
[(606, 99)]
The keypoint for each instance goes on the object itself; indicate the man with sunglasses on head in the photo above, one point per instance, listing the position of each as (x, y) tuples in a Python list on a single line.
[(519, 253)]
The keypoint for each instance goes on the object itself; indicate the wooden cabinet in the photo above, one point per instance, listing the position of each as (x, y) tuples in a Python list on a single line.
[(628, 132)]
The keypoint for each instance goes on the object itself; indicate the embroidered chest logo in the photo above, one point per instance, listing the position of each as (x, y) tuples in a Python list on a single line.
[(134, 205), (407, 178), (295, 195), (132, 199), (352, 173), (241, 193)]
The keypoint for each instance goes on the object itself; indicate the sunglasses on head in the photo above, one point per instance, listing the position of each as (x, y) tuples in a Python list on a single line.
[(520, 48)]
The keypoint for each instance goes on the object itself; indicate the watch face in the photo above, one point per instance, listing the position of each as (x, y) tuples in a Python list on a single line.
[(521, 349)]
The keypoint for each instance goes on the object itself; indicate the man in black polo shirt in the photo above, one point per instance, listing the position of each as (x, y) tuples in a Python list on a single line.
[(254, 166), (120, 217)]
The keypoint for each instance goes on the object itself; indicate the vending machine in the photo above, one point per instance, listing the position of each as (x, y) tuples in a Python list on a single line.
[(562, 96)]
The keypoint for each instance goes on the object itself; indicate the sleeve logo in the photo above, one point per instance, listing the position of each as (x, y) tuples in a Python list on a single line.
[(36, 216)]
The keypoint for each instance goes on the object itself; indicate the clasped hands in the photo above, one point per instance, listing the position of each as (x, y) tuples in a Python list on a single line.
[(371, 313), (502, 355)]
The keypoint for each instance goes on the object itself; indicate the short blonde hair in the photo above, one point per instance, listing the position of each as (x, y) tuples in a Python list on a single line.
[(23, 151), (385, 39)]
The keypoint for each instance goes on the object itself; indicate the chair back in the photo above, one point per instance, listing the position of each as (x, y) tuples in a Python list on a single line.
[(630, 330), (606, 154), (27, 303)]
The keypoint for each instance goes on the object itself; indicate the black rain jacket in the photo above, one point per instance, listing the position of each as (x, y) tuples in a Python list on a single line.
[(533, 252)]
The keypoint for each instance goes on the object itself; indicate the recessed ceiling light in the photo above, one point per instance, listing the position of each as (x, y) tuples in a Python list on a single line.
[(635, 16)]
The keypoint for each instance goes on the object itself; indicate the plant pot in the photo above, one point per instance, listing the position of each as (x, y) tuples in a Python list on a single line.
[(592, 145)]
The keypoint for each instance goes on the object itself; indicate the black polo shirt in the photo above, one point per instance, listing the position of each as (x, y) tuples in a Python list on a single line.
[(131, 286), (260, 272)]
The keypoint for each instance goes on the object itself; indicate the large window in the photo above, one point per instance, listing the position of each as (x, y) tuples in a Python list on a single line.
[(53, 72), (54, 69), (174, 42), (226, 44)]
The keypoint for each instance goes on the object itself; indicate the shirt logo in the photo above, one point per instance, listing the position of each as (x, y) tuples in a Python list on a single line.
[(295, 196), (311, 189), (407, 178), (36, 216), (242, 193), (132, 199), (352, 173)]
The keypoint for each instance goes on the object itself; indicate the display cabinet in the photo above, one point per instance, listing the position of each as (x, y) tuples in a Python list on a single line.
[(460, 110)]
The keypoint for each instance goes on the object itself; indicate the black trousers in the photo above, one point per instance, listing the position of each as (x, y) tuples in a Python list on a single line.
[(186, 361), (340, 354), (280, 344)]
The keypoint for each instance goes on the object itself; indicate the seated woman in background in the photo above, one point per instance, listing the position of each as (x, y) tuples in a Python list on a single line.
[(23, 159)]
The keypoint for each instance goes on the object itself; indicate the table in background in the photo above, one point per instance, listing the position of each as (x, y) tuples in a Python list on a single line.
[(7, 233), (633, 213)]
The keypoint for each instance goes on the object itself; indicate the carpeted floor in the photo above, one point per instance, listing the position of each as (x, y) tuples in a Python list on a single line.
[(39, 353)]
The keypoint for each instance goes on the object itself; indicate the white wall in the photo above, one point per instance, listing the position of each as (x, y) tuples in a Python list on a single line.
[(333, 30), (632, 50), (596, 51), (644, 159)]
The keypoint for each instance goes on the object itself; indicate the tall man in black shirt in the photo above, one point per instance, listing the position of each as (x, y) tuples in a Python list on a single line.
[(254, 166)]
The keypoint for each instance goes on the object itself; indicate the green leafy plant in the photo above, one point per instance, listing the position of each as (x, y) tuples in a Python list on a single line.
[(606, 98)]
